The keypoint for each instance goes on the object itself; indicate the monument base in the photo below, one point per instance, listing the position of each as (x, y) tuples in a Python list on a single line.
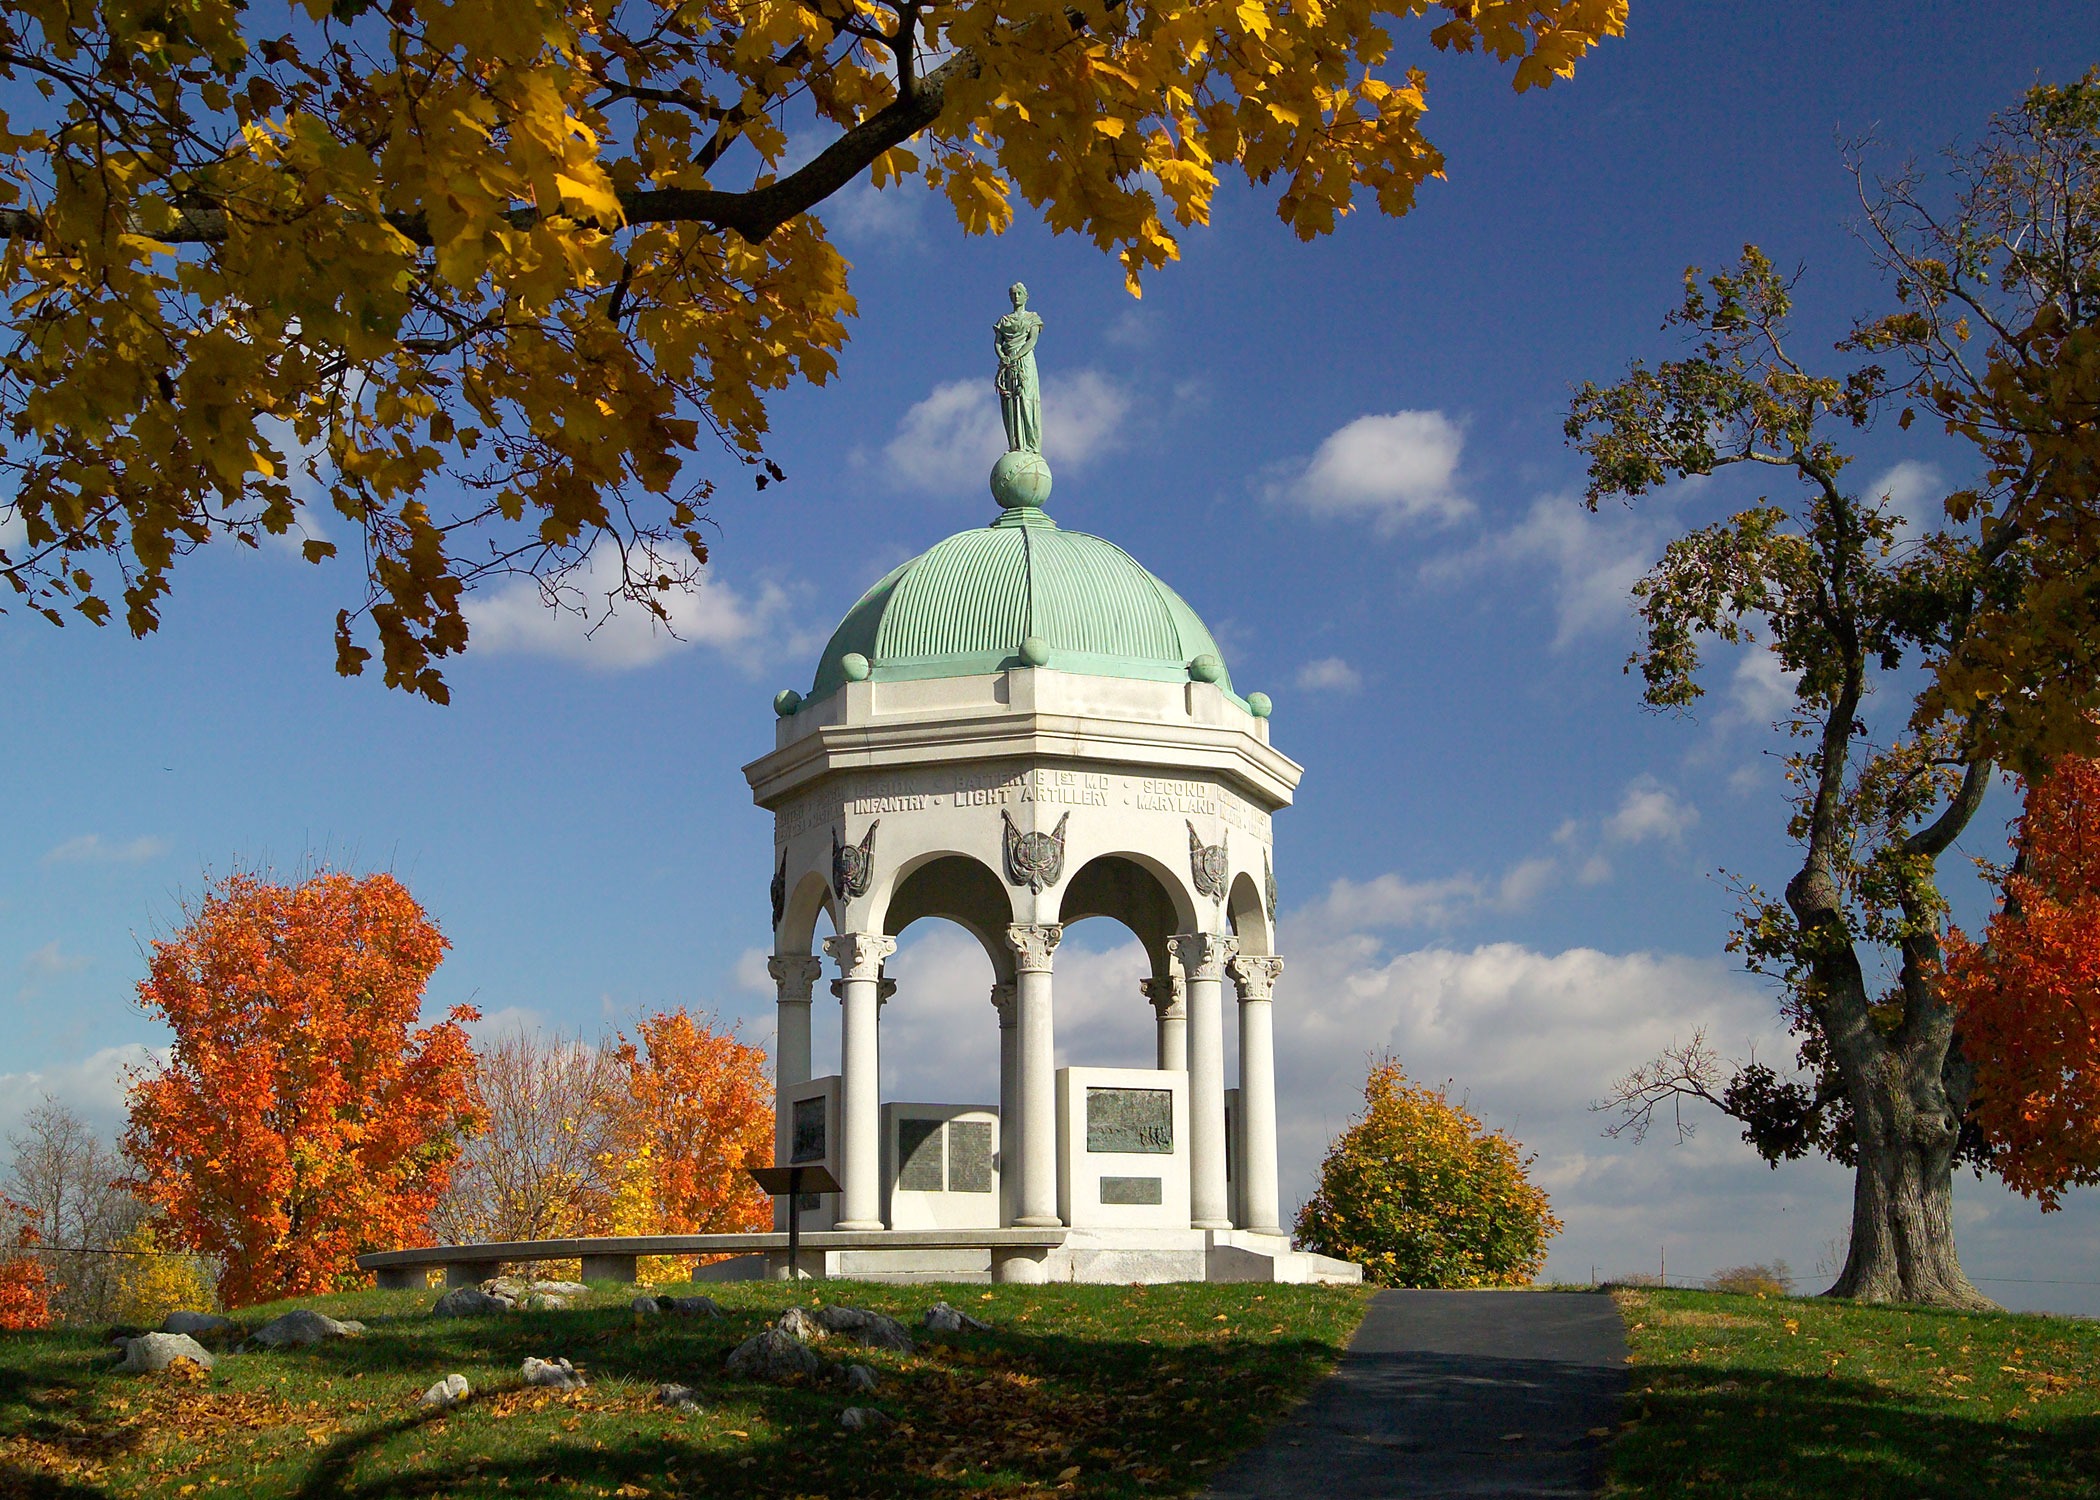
[(1096, 1256)]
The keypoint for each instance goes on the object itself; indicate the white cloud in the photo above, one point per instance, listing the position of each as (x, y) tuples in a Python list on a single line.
[(51, 959), (517, 618), (1330, 674), (1390, 901), (1760, 688), (1594, 561), (92, 1088), (13, 529), (93, 849), (947, 443), (1650, 810), (1912, 491), (752, 973), (1389, 469), (866, 212)]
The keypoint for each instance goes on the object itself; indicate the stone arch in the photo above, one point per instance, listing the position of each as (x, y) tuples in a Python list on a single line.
[(1133, 890), (1249, 915), (809, 899), (960, 888)]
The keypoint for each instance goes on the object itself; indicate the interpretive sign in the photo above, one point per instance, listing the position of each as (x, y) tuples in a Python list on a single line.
[(1130, 1121), (1146, 1191)]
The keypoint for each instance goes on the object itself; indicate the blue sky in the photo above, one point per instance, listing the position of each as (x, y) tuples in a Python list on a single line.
[(1347, 456)]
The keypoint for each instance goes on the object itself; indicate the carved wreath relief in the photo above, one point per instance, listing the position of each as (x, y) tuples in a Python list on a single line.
[(1268, 885), (853, 865), (1207, 863), (1035, 860), (780, 890)]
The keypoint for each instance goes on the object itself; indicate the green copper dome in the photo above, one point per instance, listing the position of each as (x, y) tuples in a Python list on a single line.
[(967, 606)]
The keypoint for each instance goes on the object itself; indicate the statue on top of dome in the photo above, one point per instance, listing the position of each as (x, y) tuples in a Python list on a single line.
[(1020, 395)]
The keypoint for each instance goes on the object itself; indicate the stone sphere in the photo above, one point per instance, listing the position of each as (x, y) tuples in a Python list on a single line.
[(1020, 479), (1035, 651), (855, 666), (786, 702), (1258, 704), (1206, 668)]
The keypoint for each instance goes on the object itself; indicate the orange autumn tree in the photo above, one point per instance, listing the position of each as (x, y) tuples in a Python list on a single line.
[(2028, 995), (698, 1111), (25, 1288), (301, 1117)]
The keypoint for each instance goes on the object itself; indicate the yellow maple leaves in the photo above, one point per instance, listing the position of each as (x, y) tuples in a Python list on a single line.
[(373, 257)]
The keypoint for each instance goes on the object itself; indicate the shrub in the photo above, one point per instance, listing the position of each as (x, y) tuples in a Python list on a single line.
[(1420, 1194), (150, 1283), (25, 1291), (1774, 1280)]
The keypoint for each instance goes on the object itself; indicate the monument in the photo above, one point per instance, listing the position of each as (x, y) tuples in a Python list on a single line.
[(1018, 729)]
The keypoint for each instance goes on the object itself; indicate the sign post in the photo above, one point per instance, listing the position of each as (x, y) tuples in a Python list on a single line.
[(791, 1182)]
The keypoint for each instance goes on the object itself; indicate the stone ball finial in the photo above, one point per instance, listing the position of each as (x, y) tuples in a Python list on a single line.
[(1021, 480), (787, 702), (1206, 668), (1258, 704), (855, 666), (1035, 651)]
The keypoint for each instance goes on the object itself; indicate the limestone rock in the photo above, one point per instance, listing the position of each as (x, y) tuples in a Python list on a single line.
[(863, 1419), (678, 1397), (302, 1325), (448, 1392), (941, 1318), (470, 1302), (871, 1329), (518, 1289), (561, 1289), (859, 1379), (150, 1353), (543, 1302), (797, 1323), (558, 1373), (691, 1307), (647, 1305), (194, 1323), (773, 1355)]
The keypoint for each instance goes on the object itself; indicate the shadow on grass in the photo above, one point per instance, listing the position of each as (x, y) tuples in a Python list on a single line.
[(1709, 1430)]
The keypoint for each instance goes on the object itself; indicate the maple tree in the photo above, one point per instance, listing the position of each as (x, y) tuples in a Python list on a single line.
[(25, 1288), (697, 1111), (369, 253), (1993, 600), (301, 1117), (2028, 994), (1420, 1194)]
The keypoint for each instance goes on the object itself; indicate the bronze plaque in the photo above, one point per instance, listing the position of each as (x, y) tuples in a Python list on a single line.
[(806, 1131), (969, 1156), (1141, 1191), (920, 1167), (1130, 1121)]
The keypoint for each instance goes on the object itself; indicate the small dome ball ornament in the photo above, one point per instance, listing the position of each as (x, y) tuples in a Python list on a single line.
[(1206, 668), (1021, 480), (787, 702), (855, 666), (1035, 651), (1258, 704)]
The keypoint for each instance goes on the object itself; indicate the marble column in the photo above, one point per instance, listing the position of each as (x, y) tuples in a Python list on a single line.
[(1165, 994), (860, 956), (1035, 1074), (1203, 957), (1009, 1106), (1255, 975), (795, 975)]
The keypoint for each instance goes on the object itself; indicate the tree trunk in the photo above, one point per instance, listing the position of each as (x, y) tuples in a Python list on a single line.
[(1903, 1196)]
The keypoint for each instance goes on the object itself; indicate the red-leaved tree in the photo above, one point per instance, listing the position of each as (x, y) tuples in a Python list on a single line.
[(25, 1288), (301, 1117), (699, 1111), (2028, 995)]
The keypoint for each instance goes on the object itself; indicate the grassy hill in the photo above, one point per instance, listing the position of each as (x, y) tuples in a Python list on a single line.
[(1078, 1390), (1786, 1398)]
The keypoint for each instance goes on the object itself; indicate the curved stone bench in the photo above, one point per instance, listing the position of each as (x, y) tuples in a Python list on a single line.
[(612, 1257)]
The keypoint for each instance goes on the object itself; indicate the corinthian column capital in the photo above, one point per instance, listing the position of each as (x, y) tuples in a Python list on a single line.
[(794, 975), (1203, 955), (1003, 1002), (1166, 993), (1033, 943), (1255, 974), (860, 954)]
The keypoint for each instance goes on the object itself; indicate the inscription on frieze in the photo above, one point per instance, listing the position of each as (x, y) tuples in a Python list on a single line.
[(1147, 1192), (1130, 1121), (873, 794), (921, 1168)]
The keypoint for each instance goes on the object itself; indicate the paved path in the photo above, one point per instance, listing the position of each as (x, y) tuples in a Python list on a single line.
[(1441, 1394)]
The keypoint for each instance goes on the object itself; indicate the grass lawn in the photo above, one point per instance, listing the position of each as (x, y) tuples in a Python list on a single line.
[(1799, 1397), (1078, 1390)]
